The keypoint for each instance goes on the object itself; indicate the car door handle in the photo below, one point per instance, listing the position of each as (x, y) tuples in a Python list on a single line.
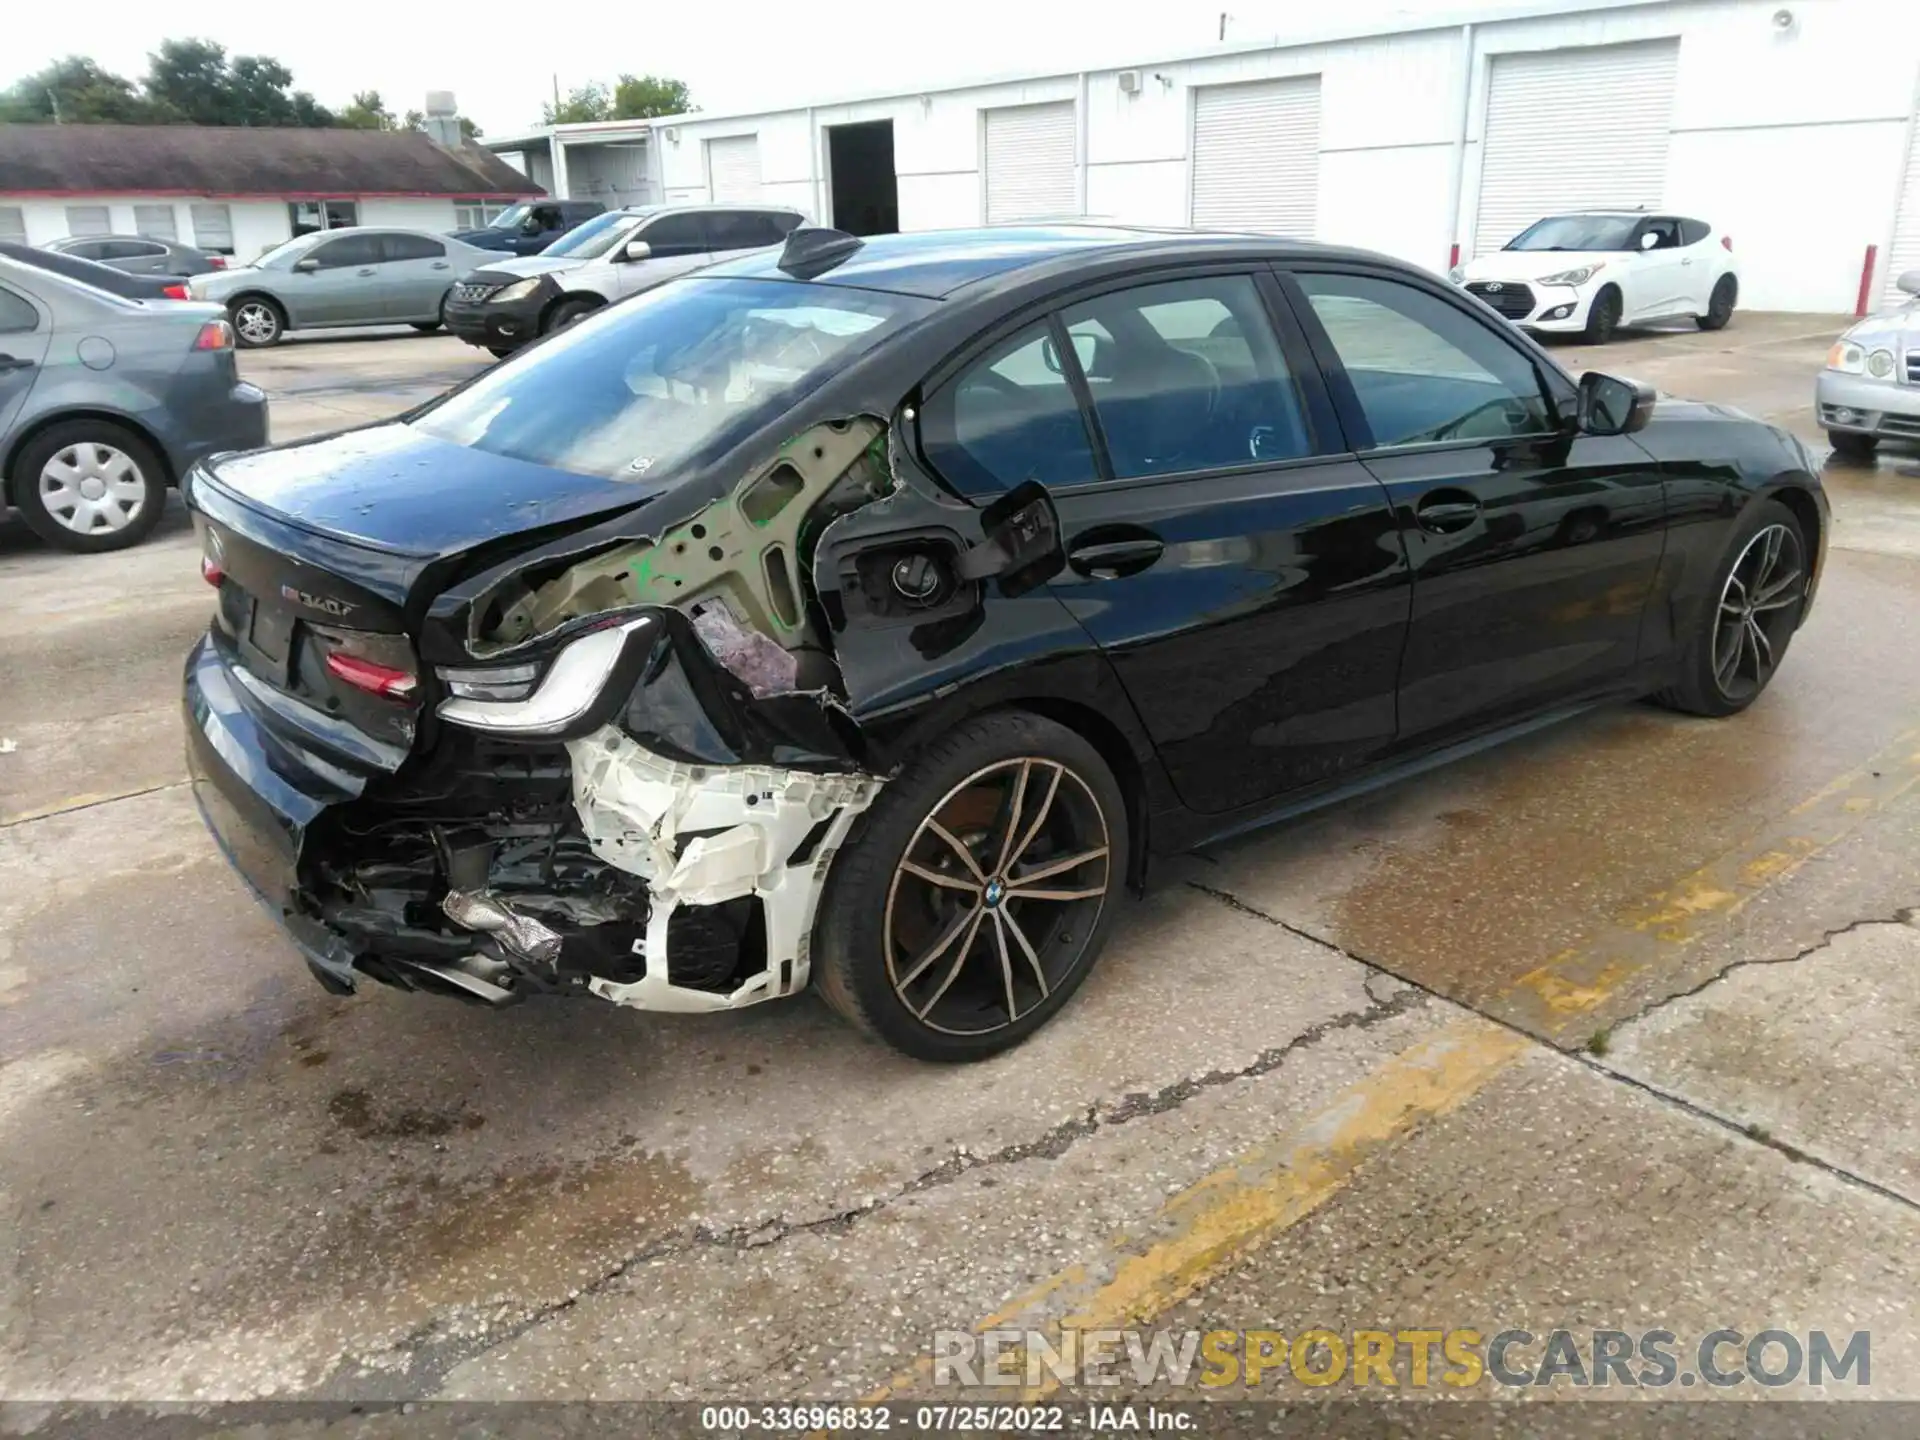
[(1111, 559), (8, 362), (440, 265), (367, 271), (1443, 517)]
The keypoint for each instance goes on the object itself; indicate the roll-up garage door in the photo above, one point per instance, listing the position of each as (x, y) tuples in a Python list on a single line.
[(1904, 254), (733, 167), (1582, 129), (1030, 163), (1256, 156)]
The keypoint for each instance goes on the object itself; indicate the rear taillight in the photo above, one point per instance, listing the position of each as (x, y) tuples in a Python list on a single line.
[(1726, 243), (214, 335), (174, 292), (211, 572), (382, 680), (219, 262)]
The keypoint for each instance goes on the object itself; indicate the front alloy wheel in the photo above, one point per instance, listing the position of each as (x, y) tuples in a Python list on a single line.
[(1759, 608), (256, 323)]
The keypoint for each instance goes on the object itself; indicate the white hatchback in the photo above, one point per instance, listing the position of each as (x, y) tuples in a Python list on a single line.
[(1591, 272)]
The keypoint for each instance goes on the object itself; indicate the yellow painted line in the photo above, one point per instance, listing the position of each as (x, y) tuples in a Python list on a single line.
[(1204, 1228), (1559, 998)]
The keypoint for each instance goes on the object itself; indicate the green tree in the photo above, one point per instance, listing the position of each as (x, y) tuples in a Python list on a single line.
[(366, 112), (583, 103), (193, 82), (639, 97), (74, 90)]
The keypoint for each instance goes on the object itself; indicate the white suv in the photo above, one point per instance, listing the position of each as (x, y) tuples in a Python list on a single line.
[(510, 302), (1590, 272)]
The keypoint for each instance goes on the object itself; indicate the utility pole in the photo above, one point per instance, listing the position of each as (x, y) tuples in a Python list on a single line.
[(53, 100), (556, 97), (1223, 25)]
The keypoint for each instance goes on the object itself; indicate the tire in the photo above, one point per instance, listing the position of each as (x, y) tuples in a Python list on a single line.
[(258, 321), (54, 470), (874, 911), (500, 352), (425, 327), (1702, 687), (1852, 445), (1603, 316), (566, 312), (1726, 292)]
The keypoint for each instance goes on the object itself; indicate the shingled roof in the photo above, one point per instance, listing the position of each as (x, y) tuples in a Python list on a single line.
[(210, 160)]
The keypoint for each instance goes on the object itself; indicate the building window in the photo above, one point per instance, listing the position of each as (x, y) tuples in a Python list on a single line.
[(13, 224), (213, 229), (475, 214), (89, 220), (308, 216), (155, 222)]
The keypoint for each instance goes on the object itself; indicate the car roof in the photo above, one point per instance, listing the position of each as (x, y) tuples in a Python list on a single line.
[(705, 205), (80, 270), (935, 263)]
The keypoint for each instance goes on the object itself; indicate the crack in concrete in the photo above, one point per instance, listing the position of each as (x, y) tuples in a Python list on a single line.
[(1903, 916), (432, 1354), (32, 816)]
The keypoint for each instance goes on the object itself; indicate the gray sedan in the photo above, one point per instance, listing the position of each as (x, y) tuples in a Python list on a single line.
[(138, 255), (105, 402), (1870, 390), (357, 276)]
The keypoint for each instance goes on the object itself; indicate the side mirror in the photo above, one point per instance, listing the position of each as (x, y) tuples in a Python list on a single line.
[(637, 250), (306, 266), (1649, 240), (1909, 282), (1610, 406)]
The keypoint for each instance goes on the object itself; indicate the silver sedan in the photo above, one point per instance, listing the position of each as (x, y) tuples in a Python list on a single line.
[(1870, 390), (105, 402), (358, 276)]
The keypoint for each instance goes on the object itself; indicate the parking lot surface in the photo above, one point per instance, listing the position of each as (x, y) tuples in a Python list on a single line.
[(1612, 1028)]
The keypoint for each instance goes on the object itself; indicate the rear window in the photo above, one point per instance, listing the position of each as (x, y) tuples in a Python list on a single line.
[(644, 385)]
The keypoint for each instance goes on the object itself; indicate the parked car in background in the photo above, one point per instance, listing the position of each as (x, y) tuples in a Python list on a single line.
[(1591, 272), (101, 277), (1870, 389), (361, 275), (511, 302), (139, 255), (105, 402), (870, 615), (531, 226)]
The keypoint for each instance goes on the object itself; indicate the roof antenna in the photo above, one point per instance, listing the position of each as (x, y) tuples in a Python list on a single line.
[(815, 249)]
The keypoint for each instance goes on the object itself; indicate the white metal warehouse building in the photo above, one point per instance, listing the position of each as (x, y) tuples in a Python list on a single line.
[(1790, 124)]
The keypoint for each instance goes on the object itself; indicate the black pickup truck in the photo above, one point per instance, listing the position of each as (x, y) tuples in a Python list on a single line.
[(531, 226)]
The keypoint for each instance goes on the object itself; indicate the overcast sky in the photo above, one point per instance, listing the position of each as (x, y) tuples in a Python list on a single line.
[(500, 59)]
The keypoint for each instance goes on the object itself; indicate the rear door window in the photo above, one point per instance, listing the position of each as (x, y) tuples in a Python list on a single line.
[(1692, 232), (1187, 375), (1009, 417), (412, 247), (17, 314), (742, 230)]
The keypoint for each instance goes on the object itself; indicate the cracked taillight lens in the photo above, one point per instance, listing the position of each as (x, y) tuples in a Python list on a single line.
[(491, 682)]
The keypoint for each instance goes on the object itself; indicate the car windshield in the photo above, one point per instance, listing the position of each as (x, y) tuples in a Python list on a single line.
[(593, 238), (510, 218), (1577, 232), (647, 383)]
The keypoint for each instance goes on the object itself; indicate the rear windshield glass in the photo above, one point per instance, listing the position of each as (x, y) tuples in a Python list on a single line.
[(1576, 232), (644, 384)]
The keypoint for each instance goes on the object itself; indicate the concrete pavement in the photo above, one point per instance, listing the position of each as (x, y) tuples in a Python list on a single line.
[(1609, 1029)]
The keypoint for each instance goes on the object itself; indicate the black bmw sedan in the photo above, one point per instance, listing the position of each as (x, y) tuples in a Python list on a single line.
[(869, 615)]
